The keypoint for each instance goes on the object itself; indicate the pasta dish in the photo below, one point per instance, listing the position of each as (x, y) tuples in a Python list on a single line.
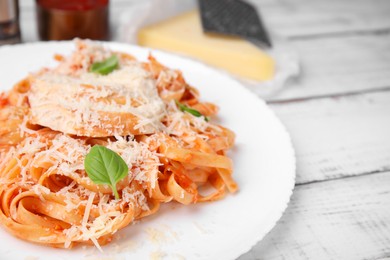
[(65, 131)]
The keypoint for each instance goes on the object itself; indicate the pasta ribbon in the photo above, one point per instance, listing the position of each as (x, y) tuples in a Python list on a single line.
[(50, 120)]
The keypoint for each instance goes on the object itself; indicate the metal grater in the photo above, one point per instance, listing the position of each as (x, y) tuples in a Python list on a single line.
[(233, 17)]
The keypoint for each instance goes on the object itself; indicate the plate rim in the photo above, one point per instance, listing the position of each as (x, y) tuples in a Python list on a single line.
[(286, 200)]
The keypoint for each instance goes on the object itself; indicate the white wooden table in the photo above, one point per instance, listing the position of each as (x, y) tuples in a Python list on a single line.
[(338, 114)]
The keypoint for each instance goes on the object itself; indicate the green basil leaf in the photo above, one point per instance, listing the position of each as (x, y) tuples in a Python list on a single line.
[(105, 67), (192, 111), (105, 166)]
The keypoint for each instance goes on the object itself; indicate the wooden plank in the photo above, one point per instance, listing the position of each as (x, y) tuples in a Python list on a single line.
[(337, 137), (339, 65), (303, 18), (340, 219)]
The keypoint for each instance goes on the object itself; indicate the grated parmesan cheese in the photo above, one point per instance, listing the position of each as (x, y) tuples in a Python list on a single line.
[(75, 104), (74, 101), (88, 209)]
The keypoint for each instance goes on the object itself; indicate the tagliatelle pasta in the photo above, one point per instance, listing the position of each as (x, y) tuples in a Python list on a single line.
[(50, 120)]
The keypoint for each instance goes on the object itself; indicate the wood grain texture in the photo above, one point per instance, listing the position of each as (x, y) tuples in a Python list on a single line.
[(337, 65), (344, 219), (338, 137), (303, 18), (340, 208)]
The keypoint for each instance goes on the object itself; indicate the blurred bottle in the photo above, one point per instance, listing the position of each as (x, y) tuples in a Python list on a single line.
[(9, 22), (67, 19)]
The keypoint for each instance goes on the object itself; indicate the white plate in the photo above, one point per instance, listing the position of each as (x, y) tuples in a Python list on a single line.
[(264, 167)]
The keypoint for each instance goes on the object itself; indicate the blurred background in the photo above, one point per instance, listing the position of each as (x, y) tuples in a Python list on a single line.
[(247, 33), (122, 12)]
